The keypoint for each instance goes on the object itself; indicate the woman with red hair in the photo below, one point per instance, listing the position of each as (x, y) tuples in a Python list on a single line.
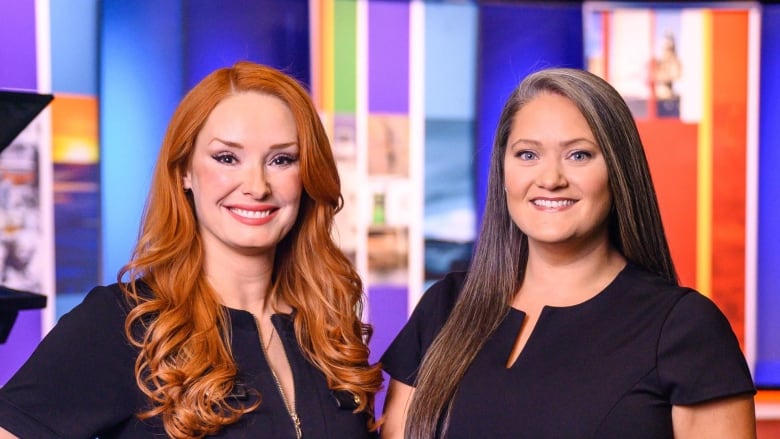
[(237, 314)]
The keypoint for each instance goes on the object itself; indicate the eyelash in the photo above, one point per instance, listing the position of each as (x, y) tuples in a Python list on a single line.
[(224, 157), (278, 160), (525, 155), (285, 159), (530, 155), (585, 155)]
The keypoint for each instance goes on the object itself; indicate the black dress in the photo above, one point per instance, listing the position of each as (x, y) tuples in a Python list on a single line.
[(80, 383), (611, 367)]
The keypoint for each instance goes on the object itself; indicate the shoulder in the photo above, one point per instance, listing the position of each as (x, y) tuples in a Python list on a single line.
[(404, 355), (441, 297), (107, 296), (436, 305), (103, 311), (649, 289), (696, 314), (699, 357), (640, 289), (104, 306), (71, 370), (643, 281)]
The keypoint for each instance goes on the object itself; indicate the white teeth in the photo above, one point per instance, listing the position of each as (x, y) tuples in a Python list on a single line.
[(554, 204), (251, 213)]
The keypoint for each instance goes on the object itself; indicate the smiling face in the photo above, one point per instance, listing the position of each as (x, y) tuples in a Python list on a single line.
[(245, 176), (555, 175)]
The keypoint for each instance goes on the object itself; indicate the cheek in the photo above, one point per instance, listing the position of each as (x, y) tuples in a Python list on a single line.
[(288, 186), (207, 178), (517, 177), (599, 189), (601, 184), (515, 184)]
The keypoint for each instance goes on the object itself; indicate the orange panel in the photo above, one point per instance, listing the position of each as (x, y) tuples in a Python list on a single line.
[(671, 148), (75, 129), (768, 396), (74, 115), (729, 100)]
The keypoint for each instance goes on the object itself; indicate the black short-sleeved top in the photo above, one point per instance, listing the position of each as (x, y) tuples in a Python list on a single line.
[(610, 367), (80, 383)]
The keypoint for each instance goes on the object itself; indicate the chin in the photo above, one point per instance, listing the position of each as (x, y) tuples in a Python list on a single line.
[(254, 248), (553, 238)]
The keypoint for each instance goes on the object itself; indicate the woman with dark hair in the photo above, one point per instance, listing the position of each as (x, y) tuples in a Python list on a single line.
[(237, 315), (570, 322)]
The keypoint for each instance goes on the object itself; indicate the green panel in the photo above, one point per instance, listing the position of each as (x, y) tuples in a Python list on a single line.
[(344, 54)]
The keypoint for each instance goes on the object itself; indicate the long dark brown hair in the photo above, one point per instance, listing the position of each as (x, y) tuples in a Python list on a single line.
[(185, 365), (500, 258)]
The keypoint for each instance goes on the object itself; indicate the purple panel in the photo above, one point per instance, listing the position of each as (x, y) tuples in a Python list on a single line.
[(387, 312), (18, 71), (387, 305), (24, 337), (17, 39), (388, 57)]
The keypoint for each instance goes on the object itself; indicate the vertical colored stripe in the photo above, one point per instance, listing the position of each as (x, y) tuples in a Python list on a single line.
[(74, 52), (704, 165), (729, 160), (315, 51), (450, 39), (327, 68), (365, 197), (18, 69), (321, 43), (671, 149), (387, 313), (449, 93), (416, 95), (767, 370), (388, 57), (141, 84), (45, 169), (606, 24), (344, 59), (751, 202), (652, 109)]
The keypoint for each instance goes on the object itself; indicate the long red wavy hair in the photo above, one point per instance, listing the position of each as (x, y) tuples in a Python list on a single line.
[(185, 365)]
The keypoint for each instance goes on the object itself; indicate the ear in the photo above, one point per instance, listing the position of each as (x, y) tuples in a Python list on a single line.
[(187, 181)]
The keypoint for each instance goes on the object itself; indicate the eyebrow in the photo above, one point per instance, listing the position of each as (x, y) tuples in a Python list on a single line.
[(238, 145), (561, 144)]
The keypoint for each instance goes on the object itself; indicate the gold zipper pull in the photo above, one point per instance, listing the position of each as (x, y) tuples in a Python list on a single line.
[(297, 422)]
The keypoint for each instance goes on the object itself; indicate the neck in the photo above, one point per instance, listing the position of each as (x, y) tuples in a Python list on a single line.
[(562, 281), (243, 282)]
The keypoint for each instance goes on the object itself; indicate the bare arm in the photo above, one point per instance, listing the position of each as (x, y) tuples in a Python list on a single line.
[(4, 434), (727, 418), (396, 404)]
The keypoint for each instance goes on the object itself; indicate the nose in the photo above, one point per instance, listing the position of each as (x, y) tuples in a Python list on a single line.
[(255, 183), (551, 175)]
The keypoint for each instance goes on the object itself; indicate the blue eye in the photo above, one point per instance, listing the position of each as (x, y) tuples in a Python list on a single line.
[(580, 155), (525, 155)]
